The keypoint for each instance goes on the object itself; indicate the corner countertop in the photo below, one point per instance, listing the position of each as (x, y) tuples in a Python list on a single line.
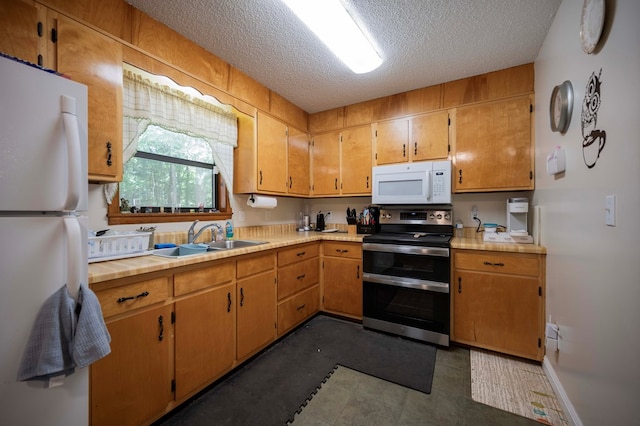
[(477, 243), (114, 269)]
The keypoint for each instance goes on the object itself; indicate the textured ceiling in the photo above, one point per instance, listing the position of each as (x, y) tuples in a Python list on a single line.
[(422, 43)]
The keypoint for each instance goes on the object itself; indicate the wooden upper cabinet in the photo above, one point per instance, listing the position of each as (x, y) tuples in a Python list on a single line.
[(356, 161), (272, 154), (326, 164), (91, 58), (298, 162), (429, 136), (494, 146), (392, 140), (19, 30)]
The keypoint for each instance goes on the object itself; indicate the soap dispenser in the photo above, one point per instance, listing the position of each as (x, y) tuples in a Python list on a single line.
[(229, 229)]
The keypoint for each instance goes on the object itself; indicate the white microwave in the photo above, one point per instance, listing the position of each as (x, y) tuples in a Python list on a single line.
[(425, 182)]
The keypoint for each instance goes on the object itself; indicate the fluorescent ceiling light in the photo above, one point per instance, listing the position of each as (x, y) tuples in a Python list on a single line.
[(331, 22)]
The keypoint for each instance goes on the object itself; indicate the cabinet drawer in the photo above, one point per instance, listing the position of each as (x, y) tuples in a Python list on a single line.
[(507, 263), (297, 309), (186, 282), (297, 253), (293, 278), (252, 265), (340, 249), (123, 299)]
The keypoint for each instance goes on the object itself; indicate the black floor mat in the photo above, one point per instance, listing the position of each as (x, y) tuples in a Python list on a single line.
[(270, 388)]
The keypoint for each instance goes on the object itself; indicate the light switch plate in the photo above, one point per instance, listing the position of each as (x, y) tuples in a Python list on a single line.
[(610, 210)]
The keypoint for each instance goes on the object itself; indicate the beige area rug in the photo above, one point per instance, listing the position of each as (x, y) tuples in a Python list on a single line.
[(519, 387)]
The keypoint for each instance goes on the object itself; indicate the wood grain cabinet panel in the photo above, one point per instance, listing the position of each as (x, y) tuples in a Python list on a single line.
[(205, 338), (298, 161), (256, 317), (355, 167), (298, 308), (132, 385), (19, 31), (498, 302), (342, 278), (128, 298), (326, 164), (95, 60), (494, 146)]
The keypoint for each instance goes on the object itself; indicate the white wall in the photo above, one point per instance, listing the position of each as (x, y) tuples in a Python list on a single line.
[(593, 270)]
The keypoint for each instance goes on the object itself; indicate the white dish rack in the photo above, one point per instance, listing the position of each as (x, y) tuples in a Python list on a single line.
[(118, 246)]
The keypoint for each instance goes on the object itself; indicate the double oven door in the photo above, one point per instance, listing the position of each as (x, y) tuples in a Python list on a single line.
[(406, 291)]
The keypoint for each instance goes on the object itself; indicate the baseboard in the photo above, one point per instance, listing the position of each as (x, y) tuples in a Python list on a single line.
[(567, 407)]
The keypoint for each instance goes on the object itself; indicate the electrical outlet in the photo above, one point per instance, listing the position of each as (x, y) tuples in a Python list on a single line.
[(474, 213), (267, 215)]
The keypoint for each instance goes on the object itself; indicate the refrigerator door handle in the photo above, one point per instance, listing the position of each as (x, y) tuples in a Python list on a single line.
[(74, 255), (74, 152)]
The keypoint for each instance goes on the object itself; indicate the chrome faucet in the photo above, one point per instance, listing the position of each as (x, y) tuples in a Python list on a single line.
[(192, 236)]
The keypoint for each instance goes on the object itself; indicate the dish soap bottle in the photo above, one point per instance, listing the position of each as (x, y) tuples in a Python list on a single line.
[(229, 228)]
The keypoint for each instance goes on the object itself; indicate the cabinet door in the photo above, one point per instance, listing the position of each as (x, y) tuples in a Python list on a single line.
[(256, 323), (19, 30), (132, 385), (272, 154), (95, 60), (326, 164), (205, 338), (356, 161), (392, 140), (342, 286), (430, 136), (498, 312), (493, 147), (298, 162)]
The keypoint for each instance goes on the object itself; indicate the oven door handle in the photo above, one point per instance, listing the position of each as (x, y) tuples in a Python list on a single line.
[(403, 249), (406, 282)]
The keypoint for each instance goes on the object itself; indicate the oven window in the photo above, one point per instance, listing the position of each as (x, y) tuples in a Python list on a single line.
[(429, 268), (422, 309)]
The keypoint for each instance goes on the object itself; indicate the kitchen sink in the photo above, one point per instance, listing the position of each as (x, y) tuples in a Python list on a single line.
[(178, 253), (231, 244)]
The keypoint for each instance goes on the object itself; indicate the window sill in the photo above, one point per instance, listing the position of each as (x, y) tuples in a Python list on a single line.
[(139, 218)]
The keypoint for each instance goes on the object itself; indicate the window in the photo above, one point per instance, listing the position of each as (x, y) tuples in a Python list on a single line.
[(177, 152), (170, 172)]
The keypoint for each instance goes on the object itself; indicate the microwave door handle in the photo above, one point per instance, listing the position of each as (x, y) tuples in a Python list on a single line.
[(429, 186)]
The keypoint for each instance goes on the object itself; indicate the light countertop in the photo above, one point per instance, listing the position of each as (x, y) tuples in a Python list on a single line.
[(113, 269)]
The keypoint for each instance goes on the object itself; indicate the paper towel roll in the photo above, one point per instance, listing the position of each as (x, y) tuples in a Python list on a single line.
[(262, 202)]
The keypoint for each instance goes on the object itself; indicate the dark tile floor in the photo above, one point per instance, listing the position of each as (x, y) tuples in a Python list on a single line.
[(353, 398)]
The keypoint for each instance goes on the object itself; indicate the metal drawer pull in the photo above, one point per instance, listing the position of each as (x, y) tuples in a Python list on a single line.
[(302, 253), (301, 307), (342, 251), (124, 299), (299, 277), (229, 302), (241, 296), (160, 323), (493, 264)]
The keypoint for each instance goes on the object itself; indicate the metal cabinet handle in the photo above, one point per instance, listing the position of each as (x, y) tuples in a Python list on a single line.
[(124, 299), (241, 296), (290, 182), (459, 285), (460, 172), (260, 177), (336, 184), (404, 149), (367, 181), (358, 272), (493, 264), (301, 306), (161, 326), (301, 253), (299, 277), (415, 148), (109, 162), (342, 251), (229, 302)]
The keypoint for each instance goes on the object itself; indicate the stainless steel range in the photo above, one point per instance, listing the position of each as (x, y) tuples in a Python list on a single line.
[(406, 273)]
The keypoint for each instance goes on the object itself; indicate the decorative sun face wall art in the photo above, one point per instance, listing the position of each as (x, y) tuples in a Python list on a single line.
[(593, 139)]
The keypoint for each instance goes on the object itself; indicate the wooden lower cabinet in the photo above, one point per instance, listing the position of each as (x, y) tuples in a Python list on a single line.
[(342, 278), (132, 384), (256, 301), (205, 338), (498, 302), (298, 285)]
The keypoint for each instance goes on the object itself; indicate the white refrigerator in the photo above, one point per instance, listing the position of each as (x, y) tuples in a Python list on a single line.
[(43, 207)]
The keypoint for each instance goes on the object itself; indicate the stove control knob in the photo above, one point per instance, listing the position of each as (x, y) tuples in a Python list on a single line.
[(439, 216), (432, 216), (447, 216)]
